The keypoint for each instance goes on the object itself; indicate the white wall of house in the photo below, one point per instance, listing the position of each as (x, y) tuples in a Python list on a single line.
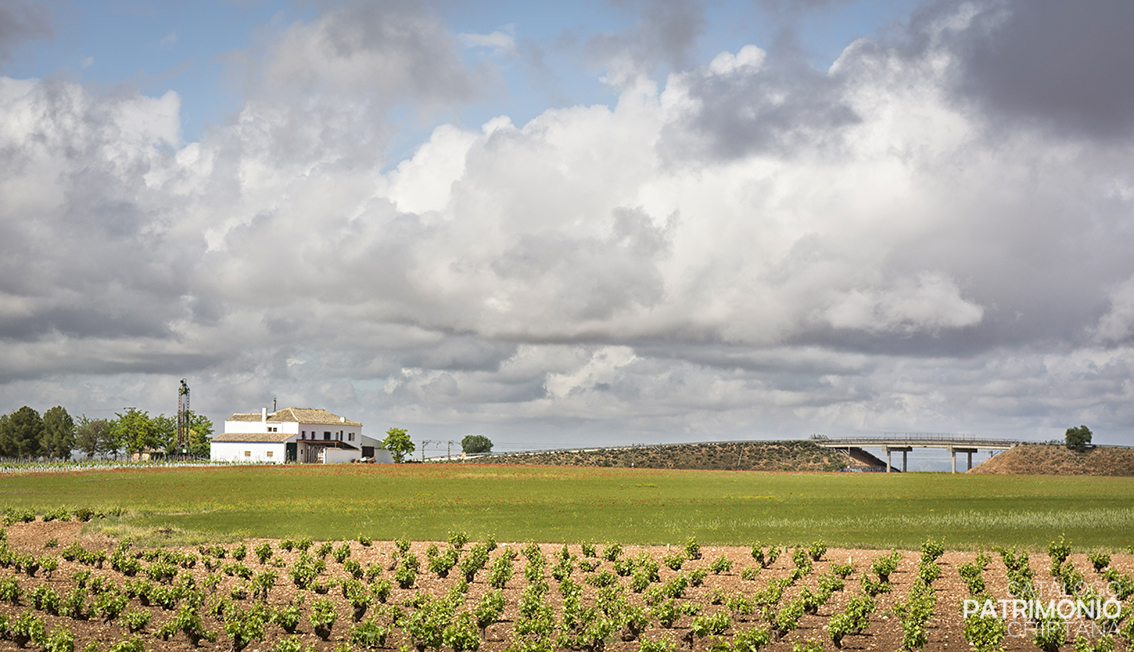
[(248, 452), (339, 455)]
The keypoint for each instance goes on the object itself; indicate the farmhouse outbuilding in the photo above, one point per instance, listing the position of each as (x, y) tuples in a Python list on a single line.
[(303, 435)]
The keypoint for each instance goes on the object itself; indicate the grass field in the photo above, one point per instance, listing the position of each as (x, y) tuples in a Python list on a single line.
[(550, 504)]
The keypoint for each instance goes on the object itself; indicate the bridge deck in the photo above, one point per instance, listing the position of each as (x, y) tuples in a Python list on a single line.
[(905, 442)]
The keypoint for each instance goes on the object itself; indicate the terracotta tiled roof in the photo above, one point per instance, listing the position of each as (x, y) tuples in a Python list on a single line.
[(257, 437), (298, 415)]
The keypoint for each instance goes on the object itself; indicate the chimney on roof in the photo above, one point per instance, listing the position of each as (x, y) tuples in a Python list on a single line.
[(274, 405), (263, 415)]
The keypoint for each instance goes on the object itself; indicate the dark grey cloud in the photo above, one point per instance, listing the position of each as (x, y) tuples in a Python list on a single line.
[(20, 22), (1066, 65), (783, 107), (666, 34), (389, 51)]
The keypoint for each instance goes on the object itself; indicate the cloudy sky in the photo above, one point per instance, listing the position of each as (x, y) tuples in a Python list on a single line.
[(601, 221)]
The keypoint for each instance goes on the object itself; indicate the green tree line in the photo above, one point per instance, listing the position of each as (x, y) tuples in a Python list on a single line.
[(55, 434)]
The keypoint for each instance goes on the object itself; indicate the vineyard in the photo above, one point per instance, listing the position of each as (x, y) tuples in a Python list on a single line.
[(62, 590)]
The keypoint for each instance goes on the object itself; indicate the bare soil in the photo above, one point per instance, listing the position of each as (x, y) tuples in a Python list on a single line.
[(1048, 459), (884, 633)]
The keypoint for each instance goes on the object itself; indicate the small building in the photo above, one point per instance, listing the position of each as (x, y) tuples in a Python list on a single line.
[(303, 435)]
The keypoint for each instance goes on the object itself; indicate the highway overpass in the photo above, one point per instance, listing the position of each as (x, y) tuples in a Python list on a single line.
[(904, 442)]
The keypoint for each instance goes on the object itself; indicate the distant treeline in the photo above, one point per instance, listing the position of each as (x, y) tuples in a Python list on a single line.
[(738, 456), (26, 434)]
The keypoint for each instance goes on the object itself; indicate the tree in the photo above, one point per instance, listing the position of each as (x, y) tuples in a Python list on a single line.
[(165, 429), (476, 444), (58, 433), (1078, 439), (93, 436), (135, 431), (200, 430), (22, 433), (398, 443)]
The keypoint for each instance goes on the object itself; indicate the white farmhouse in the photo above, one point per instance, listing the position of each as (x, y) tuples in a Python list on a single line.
[(301, 435)]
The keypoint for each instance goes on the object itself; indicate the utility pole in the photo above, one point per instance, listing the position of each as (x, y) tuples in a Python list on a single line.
[(423, 443), (449, 450)]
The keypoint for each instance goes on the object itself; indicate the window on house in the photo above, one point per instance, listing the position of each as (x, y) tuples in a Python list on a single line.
[(350, 436), (247, 453), (327, 435), (269, 453)]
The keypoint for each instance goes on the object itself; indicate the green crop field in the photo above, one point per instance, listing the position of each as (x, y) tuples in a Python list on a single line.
[(552, 504)]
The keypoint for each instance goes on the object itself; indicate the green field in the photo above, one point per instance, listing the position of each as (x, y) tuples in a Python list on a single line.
[(561, 504)]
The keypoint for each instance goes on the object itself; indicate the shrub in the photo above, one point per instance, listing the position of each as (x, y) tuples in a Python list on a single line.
[(10, 590), (136, 620), (369, 634), (697, 577), (288, 617), (854, 619), (664, 644), (720, 565), (244, 626), (263, 552), (884, 566), (322, 617), (751, 639), (29, 627), (674, 561), (1099, 560), (461, 633), (489, 608), (612, 551), (1050, 634), (406, 572), (931, 551), (1059, 552), (132, 644), (692, 549), (817, 549), (716, 624), (502, 570), (60, 639), (986, 634), (342, 552)]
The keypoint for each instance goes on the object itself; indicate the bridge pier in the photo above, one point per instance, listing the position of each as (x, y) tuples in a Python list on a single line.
[(902, 449), (953, 450)]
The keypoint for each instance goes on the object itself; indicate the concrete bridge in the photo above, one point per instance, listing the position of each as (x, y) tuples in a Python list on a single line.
[(905, 442)]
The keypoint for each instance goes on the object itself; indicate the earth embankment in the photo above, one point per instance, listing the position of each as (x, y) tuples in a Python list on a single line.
[(1050, 459)]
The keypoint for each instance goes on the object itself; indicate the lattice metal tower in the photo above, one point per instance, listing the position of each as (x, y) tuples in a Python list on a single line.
[(183, 418)]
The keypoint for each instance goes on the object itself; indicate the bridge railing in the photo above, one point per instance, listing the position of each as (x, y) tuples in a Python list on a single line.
[(941, 438)]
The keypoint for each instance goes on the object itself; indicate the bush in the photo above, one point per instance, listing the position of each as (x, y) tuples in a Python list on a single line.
[(692, 548), (817, 550), (60, 640), (323, 617), (369, 634), (884, 566), (720, 565), (664, 644)]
